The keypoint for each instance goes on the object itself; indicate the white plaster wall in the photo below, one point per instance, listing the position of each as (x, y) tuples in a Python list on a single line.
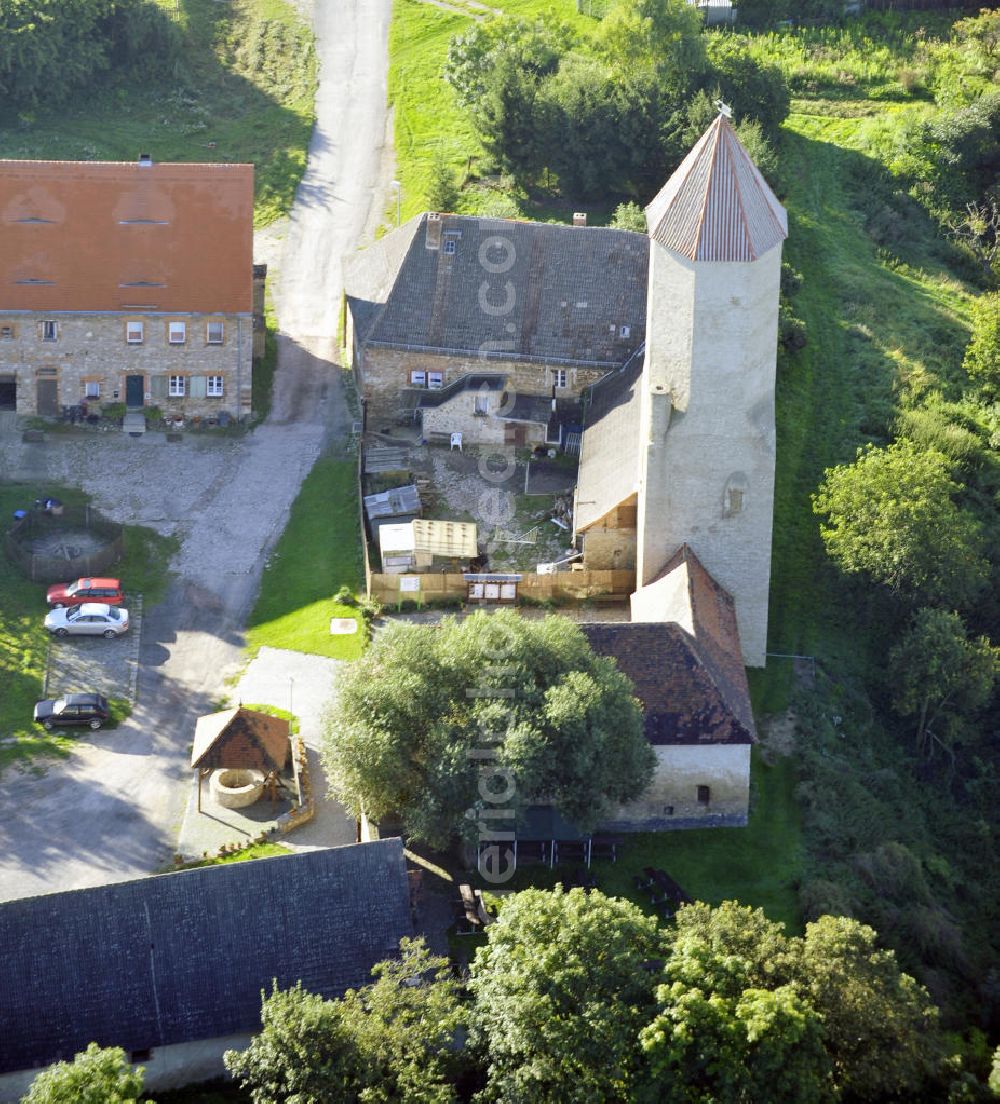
[(169, 1067), (724, 319), (680, 770)]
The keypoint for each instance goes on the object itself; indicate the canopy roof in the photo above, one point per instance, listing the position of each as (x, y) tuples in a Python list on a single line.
[(240, 739)]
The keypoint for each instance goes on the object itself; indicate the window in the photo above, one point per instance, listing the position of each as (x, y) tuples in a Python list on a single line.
[(134, 332), (450, 246), (50, 330), (215, 334), (215, 387), (668, 810), (482, 406), (418, 379), (704, 795), (559, 377), (624, 331), (435, 380), (177, 387), (92, 389), (734, 501), (177, 333), (6, 333)]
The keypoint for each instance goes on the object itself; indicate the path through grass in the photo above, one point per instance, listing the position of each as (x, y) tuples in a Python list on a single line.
[(318, 553)]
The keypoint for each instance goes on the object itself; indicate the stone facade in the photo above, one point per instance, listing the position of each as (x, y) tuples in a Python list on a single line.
[(488, 427), (384, 374), (65, 358), (611, 542), (695, 786), (707, 428)]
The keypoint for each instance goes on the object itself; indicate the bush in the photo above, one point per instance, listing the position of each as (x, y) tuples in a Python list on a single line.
[(345, 597)]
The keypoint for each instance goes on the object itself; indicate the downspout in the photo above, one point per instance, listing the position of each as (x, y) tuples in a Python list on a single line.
[(239, 369)]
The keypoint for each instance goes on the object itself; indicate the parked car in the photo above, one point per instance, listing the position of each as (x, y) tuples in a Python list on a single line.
[(108, 591), (91, 619), (73, 709)]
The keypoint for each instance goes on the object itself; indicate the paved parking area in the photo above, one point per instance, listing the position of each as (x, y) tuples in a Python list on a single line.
[(109, 667)]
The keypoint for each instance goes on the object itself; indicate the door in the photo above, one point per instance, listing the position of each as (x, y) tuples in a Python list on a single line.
[(47, 397), (135, 391), (8, 392)]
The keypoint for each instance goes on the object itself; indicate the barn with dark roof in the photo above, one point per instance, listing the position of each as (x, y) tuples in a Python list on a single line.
[(171, 968)]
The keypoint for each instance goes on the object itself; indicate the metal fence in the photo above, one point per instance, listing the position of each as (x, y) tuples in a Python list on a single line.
[(65, 558)]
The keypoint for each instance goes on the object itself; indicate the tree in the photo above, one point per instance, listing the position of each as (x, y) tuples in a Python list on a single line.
[(891, 515), (938, 675), (95, 1076), (982, 355), (445, 724), (747, 1013), (629, 216), (879, 1026), (731, 1024), (444, 193), (561, 990), (753, 90), (392, 1040), (660, 36)]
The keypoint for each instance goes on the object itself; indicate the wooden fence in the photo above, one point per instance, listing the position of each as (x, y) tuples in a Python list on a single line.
[(564, 586)]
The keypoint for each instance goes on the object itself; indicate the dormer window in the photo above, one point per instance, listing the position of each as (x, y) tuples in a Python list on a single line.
[(450, 246), (624, 332)]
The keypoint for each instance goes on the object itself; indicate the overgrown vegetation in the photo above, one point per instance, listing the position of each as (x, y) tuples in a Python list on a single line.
[(318, 554), (24, 642), (191, 81)]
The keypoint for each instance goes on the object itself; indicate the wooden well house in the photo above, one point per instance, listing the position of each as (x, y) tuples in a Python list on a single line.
[(241, 739)]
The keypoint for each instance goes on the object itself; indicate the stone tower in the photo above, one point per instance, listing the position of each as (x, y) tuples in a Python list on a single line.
[(706, 468)]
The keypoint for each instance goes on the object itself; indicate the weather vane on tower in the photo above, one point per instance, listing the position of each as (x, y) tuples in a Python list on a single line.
[(724, 109)]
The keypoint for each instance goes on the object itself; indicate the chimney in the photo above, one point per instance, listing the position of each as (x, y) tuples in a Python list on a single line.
[(579, 218), (433, 238), (145, 160)]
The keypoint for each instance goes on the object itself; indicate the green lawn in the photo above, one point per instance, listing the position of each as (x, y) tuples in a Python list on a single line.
[(246, 94), (318, 553), (23, 640), (759, 865)]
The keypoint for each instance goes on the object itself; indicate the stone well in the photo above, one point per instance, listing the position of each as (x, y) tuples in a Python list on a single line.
[(235, 789)]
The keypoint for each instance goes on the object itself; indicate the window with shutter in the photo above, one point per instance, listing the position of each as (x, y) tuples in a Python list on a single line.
[(158, 387)]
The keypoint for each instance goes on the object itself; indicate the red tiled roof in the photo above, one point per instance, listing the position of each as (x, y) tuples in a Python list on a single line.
[(109, 236), (240, 739), (717, 206)]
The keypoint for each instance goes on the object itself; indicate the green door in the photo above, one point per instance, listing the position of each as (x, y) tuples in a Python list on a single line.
[(135, 391)]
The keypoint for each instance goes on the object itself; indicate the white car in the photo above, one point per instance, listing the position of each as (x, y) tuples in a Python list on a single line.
[(90, 619)]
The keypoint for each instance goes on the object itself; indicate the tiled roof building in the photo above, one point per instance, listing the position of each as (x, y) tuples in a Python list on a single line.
[(163, 966)]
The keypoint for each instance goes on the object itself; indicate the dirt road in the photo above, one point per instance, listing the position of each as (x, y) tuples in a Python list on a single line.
[(112, 810)]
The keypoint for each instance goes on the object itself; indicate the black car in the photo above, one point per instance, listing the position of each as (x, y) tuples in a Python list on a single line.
[(73, 709)]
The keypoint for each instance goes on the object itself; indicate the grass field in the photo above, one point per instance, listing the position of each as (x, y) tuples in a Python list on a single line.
[(23, 640), (243, 93), (318, 553)]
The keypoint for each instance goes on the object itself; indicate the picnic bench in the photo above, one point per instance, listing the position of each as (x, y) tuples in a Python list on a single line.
[(474, 910), (662, 889)]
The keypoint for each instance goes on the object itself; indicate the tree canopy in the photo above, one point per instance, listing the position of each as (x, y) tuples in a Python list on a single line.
[(561, 992), (97, 1075), (392, 1040), (443, 724), (892, 515), (982, 355)]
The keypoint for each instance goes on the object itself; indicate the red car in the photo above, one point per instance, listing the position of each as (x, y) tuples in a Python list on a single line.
[(108, 591)]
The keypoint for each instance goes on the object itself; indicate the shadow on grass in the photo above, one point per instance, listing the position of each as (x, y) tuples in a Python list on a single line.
[(880, 319)]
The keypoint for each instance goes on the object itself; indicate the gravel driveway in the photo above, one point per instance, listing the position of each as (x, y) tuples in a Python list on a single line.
[(113, 809)]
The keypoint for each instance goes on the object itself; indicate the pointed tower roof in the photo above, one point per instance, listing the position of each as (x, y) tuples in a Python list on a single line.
[(717, 206)]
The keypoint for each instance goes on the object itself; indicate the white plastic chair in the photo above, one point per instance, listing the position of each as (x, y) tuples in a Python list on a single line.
[(456, 441)]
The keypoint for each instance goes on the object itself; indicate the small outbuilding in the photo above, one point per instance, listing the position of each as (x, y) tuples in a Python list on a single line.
[(243, 741), (420, 544)]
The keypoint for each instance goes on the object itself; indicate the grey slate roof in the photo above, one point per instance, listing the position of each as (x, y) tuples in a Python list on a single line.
[(572, 290), (184, 956), (609, 454)]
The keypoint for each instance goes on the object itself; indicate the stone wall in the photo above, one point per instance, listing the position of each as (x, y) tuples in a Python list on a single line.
[(90, 352), (563, 585), (672, 799), (383, 373), (608, 547), (457, 415), (707, 468)]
